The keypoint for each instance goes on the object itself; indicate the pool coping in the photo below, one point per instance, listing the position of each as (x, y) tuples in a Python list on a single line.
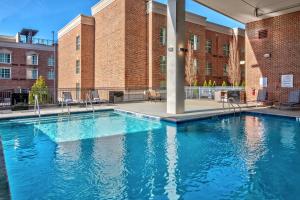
[(3, 170)]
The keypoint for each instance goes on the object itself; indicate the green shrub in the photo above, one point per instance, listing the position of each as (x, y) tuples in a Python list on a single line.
[(224, 84), (243, 84), (214, 84), (205, 84), (210, 83), (40, 89)]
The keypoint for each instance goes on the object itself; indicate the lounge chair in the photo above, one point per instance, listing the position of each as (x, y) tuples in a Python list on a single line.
[(153, 95), (293, 100), (67, 98), (94, 95)]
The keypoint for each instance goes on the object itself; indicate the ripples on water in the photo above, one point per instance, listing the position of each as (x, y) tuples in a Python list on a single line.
[(115, 156)]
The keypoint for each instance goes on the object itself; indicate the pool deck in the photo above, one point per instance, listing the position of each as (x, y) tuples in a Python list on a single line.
[(199, 109), (195, 109)]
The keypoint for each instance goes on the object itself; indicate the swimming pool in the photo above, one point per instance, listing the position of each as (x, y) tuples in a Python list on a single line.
[(111, 155)]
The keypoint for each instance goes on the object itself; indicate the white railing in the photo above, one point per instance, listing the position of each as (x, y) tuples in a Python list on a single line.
[(207, 92)]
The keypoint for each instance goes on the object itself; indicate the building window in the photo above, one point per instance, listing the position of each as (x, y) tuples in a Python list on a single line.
[(5, 73), (5, 58), (51, 61), (195, 65), (163, 64), (225, 70), (77, 90), (226, 49), (208, 46), (78, 42), (31, 74), (194, 41), (32, 59), (77, 66), (208, 69), (51, 74), (163, 36), (163, 85)]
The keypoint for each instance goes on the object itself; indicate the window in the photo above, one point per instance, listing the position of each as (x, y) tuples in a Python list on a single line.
[(226, 49), (31, 73), (77, 90), (78, 42), (208, 46), (5, 58), (195, 65), (51, 74), (163, 85), (51, 61), (5, 73), (77, 66), (163, 64), (208, 69), (194, 41), (32, 59), (225, 70), (163, 36)]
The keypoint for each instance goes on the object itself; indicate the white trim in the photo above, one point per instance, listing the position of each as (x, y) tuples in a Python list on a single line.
[(80, 19), (37, 73), (10, 75), (6, 51), (159, 8), (100, 6)]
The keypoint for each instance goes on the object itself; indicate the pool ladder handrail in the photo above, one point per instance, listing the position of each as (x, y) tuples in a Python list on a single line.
[(62, 106), (37, 105), (231, 102), (89, 100)]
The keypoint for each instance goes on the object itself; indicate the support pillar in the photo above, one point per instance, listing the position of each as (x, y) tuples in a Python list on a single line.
[(175, 56)]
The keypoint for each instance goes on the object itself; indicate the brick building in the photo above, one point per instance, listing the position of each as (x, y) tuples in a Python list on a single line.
[(23, 59), (124, 47), (272, 51)]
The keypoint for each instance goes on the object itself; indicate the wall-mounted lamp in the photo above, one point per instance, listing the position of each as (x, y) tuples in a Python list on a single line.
[(183, 49), (267, 55)]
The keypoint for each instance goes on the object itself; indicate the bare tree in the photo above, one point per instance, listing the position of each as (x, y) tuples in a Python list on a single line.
[(234, 70), (190, 71)]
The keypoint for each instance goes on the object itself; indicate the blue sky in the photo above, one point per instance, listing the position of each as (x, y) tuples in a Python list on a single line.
[(49, 15)]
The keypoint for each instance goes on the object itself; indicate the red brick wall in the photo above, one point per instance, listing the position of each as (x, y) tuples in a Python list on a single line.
[(19, 66), (136, 74), (282, 43), (110, 46)]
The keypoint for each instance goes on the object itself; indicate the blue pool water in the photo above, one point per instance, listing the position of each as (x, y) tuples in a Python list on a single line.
[(117, 156)]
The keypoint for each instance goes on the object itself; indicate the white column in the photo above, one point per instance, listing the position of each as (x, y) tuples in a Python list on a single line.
[(175, 57)]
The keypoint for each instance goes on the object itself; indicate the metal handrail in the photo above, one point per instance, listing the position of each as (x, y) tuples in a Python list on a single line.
[(88, 98), (37, 105)]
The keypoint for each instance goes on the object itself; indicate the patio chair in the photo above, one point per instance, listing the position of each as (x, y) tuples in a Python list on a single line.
[(67, 98), (95, 97), (293, 100), (153, 95)]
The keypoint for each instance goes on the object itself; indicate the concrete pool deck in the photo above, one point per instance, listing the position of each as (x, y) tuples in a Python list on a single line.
[(195, 109)]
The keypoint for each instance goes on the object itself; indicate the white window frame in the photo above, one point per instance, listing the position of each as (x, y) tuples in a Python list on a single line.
[(208, 69), (225, 69), (32, 78), (194, 41), (77, 66), (51, 61), (6, 53), (226, 49), (52, 77), (163, 36), (163, 64), (30, 60), (208, 46), (78, 42), (195, 65), (5, 68)]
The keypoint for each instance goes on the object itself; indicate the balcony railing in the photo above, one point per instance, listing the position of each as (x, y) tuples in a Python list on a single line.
[(38, 41)]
